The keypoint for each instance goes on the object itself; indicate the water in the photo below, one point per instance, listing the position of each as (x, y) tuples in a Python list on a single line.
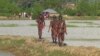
[(81, 32), (84, 43), (5, 54)]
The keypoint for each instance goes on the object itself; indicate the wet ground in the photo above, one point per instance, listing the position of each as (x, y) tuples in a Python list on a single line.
[(5, 54), (77, 29)]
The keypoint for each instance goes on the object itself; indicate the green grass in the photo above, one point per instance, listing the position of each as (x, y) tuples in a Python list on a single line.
[(8, 25), (69, 18), (83, 39), (33, 25), (67, 25), (11, 42), (20, 49), (72, 26), (82, 22), (58, 53), (20, 46), (83, 18), (89, 23)]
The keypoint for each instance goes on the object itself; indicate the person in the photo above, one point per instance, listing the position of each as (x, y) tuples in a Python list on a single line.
[(61, 30), (41, 23), (53, 26)]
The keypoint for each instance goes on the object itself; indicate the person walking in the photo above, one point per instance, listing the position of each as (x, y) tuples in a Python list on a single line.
[(61, 30), (40, 23), (53, 26)]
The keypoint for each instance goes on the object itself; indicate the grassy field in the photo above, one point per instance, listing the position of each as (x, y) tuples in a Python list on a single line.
[(28, 46)]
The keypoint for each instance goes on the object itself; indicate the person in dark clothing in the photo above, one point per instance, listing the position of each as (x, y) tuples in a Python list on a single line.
[(61, 30), (41, 23), (53, 26)]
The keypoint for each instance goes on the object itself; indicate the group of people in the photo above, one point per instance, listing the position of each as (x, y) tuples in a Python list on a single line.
[(57, 27), (25, 15)]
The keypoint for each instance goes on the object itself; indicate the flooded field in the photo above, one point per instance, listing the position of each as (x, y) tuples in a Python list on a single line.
[(77, 29)]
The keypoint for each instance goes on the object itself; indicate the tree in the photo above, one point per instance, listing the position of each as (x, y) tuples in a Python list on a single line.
[(6, 7), (36, 9)]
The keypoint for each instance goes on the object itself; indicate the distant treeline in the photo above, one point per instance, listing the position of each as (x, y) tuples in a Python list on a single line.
[(81, 8)]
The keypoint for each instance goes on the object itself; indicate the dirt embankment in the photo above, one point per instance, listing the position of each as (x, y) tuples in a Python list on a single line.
[(22, 46)]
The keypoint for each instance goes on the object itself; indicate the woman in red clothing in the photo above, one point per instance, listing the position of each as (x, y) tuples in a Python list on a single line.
[(61, 30), (53, 25), (41, 23)]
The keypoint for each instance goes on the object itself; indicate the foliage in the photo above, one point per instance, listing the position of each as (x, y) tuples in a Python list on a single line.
[(7, 7), (84, 7)]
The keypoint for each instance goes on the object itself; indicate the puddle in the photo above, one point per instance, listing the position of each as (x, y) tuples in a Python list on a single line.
[(2, 53), (84, 43)]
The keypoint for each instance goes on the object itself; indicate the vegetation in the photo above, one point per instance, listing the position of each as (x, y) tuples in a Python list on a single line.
[(83, 39), (27, 46), (82, 7), (8, 25)]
